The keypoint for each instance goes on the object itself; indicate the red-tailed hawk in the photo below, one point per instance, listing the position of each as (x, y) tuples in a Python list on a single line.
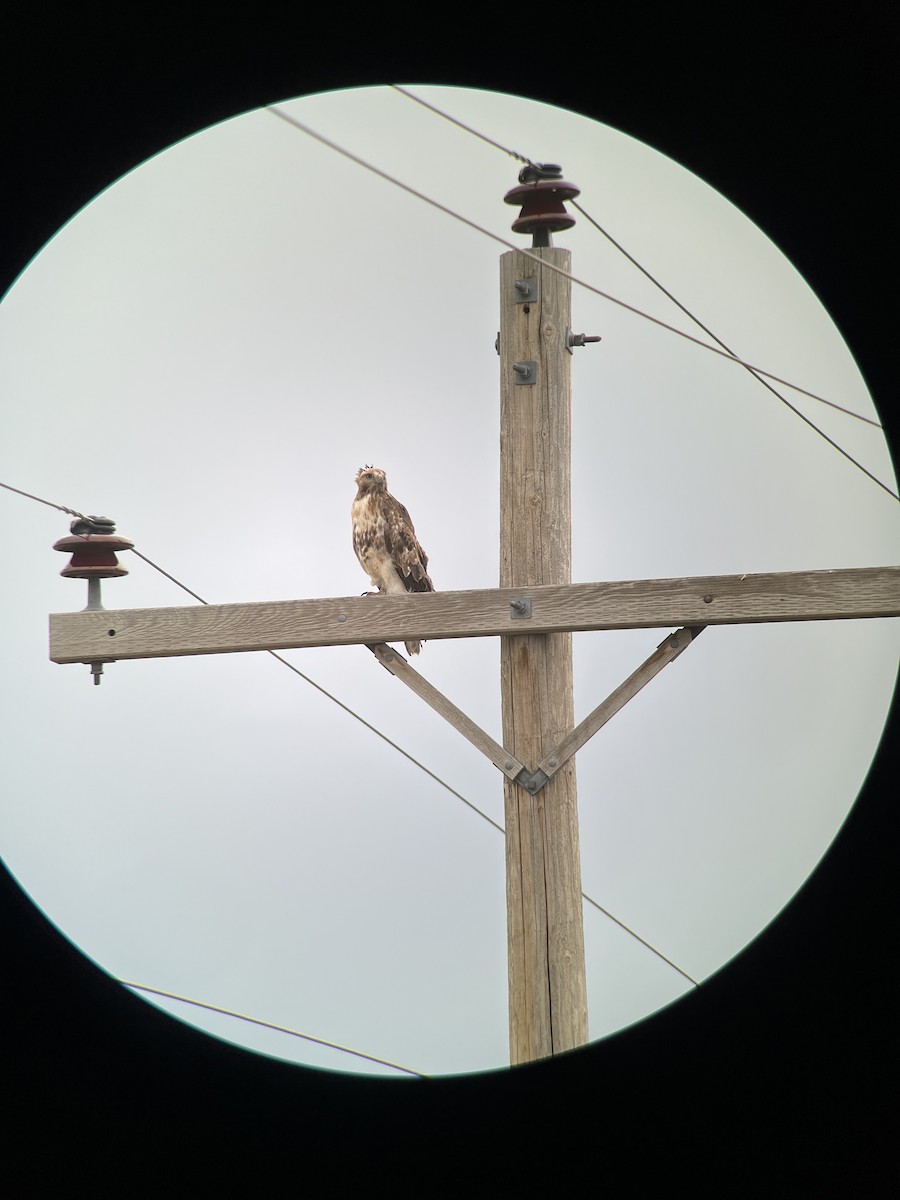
[(385, 541)]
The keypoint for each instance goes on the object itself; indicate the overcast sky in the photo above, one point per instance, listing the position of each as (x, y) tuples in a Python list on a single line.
[(207, 353)]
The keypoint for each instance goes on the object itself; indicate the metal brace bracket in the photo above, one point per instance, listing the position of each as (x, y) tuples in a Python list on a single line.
[(532, 781)]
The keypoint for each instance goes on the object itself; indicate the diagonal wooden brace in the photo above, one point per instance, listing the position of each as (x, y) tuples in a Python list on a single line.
[(533, 781), (394, 662), (666, 652)]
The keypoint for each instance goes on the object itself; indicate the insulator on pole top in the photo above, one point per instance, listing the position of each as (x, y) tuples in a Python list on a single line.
[(93, 543), (542, 193)]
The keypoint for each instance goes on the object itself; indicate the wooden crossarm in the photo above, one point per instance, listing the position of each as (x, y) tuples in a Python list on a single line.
[(110, 635)]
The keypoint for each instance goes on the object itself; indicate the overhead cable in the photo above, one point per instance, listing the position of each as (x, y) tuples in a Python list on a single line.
[(524, 159), (512, 246), (307, 1037), (416, 762), (757, 372)]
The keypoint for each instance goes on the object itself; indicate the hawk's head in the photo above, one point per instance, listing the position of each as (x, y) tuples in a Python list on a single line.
[(371, 479)]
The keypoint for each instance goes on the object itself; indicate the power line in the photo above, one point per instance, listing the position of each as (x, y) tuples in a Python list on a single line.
[(285, 662), (427, 770), (462, 125), (421, 766), (687, 312), (416, 762), (356, 716), (523, 158), (638, 938), (392, 744), (756, 372), (40, 500), (536, 258), (156, 567), (307, 1037)]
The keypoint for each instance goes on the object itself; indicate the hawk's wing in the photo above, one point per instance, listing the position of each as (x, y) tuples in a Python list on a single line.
[(403, 546)]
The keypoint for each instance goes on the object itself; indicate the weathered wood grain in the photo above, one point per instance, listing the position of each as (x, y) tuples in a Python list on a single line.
[(665, 653), (394, 662), (842, 594), (545, 935)]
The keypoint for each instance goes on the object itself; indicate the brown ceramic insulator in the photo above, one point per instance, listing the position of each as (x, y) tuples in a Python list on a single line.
[(542, 205), (93, 556)]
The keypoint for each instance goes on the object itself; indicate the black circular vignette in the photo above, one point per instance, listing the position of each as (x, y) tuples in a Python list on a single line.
[(775, 1069)]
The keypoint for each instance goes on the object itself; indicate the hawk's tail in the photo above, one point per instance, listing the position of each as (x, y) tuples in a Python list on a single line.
[(413, 647)]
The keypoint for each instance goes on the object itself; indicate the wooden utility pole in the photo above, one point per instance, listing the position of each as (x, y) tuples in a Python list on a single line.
[(545, 932), (534, 612)]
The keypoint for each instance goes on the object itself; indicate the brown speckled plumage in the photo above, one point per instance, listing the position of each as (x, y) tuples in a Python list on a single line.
[(385, 541)]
